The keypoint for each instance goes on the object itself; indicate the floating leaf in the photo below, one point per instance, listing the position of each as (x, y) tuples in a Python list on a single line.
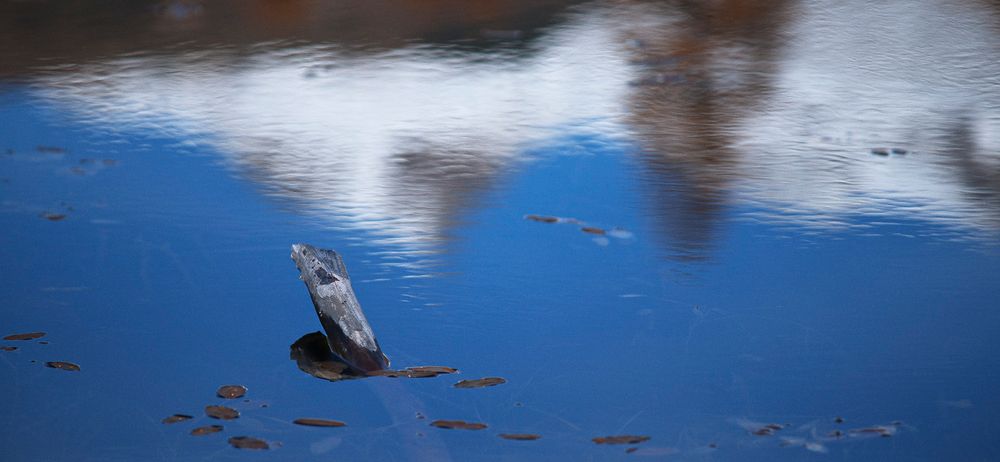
[(206, 430), (246, 442), (63, 365), (520, 436), (176, 418), (458, 425), (231, 391), (479, 383), (319, 422), (53, 216), (592, 230), (415, 372), (221, 412), (541, 218), (434, 369), (28, 336), (621, 439)]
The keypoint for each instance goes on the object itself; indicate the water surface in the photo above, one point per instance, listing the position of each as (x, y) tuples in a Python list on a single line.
[(762, 263)]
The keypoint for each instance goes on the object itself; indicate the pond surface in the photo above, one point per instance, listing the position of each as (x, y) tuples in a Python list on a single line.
[(742, 230)]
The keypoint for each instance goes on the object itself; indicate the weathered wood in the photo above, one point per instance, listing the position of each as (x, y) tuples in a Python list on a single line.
[(347, 329)]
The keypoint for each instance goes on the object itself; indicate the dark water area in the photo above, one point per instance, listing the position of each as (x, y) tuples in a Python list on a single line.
[(744, 230)]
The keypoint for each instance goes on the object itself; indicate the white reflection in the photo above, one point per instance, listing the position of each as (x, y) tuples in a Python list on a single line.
[(397, 143)]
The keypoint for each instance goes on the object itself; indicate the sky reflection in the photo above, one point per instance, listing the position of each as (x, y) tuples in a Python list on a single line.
[(775, 106)]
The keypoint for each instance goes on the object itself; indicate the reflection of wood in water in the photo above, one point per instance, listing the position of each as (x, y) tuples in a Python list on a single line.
[(701, 66), (55, 33), (312, 355)]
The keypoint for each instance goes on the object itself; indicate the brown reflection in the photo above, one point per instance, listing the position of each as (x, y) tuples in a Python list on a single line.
[(52, 33), (700, 67)]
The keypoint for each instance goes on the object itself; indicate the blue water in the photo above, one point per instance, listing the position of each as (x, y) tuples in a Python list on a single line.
[(170, 276)]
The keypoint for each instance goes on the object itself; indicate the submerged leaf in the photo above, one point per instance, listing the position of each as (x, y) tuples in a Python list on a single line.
[(479, 383), (176, 418), (520, 436), (246, 442), (206, 430), (63, 365), (231, 391), (458, 425), (221, 412), (319, 422), (28, 336), (541, 218), (620, 439)]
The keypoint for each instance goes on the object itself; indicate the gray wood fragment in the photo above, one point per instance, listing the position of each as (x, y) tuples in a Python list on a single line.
[(347, 329)]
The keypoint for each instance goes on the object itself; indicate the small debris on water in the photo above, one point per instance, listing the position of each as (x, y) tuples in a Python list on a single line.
[(28, 336), (520, 436), (176, 418), (420, 416), (206, 430), (221, 412), (631, 449), (418, 372), (63, 365), (542, 218), (592, 230), (319, 423), (458, 425), (880, 151), (8, 348), (899, 151), (838, 420), (246, 442), (879, 430), (50, 149), (620, 439), (231, 391), (479, 383), (53, 216), (43, 342), (653, 451)]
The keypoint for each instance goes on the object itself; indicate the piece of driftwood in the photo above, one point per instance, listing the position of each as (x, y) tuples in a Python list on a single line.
[(347, 330)]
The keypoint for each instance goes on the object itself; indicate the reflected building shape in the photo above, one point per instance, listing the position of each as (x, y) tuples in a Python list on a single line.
[(772, 107)]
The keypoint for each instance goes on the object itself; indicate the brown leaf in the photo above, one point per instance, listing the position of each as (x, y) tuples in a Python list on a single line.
[(63, 365), (592, 230), (319, 422), (479, 383), (434, 369), (621, 439), (221, 412), (246, 442), (28, 336), (231, 391), (520, 436), (206, 430), (458, 425), (176, 418)]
